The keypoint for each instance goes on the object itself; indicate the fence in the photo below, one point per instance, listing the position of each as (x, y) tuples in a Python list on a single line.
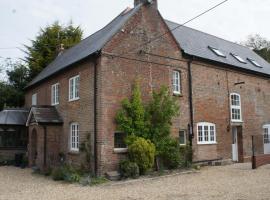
[(260, 150)]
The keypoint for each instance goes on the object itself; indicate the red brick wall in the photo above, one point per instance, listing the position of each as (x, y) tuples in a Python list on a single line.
[(117, 76), (80, 111), (211, 85), (261, 160)]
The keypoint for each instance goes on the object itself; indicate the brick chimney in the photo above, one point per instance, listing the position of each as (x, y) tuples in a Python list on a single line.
[(146, 2)]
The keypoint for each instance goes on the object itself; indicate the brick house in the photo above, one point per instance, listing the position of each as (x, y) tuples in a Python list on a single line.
[(223, 90)]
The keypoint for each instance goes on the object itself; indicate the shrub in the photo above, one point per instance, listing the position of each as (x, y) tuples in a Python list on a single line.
[(186, 154), (66, 173), (129, 169), (169, 153), (142, 152)]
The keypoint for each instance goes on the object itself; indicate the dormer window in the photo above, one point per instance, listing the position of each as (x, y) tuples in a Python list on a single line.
[(237, 57), (255, 63), (217, 52)]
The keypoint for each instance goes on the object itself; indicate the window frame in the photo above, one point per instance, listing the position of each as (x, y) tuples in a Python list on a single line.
[(174, 84), (238, 107), (238, 58), (74, 88), (185, 137), (55, 94), (266, 127), (114, 145), (217, 52), (209, 125), (34, 98), (76, 136), (254, 62)]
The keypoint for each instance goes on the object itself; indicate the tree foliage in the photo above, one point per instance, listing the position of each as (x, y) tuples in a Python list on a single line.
[(260, 45), (12, 90), (45, 47), (131, 118), (160, 112)]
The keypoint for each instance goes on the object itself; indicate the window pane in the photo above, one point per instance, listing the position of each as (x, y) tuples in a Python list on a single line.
[(200, 134), (119, 140), (206, 138), (182, 137), (176, 81)]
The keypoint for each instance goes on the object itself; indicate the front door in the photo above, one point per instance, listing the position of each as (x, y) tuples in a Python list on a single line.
[(234, 144), (266, 139)]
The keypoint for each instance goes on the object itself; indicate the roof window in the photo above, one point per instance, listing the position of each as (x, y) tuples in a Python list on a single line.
[(237, 57), (255, 63), (217, 52)]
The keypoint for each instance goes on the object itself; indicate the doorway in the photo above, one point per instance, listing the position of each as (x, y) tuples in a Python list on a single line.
[(33, 147), (237, 144), (266, 139)]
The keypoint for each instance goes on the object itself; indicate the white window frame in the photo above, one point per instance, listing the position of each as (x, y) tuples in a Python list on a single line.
[(254, 62), (176, 82), (185, 138), (74, 137), (217, 52), (239, 58), (74, 87), (238, 107), (55, 94), (210, 127), (266, 140), (34, 99)]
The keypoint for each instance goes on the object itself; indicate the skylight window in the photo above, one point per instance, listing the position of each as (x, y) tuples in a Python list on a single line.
[(237, 57), (217, 52), (254, 62)]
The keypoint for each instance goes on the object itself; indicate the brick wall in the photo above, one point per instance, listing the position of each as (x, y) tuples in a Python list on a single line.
[(117, 76), (80, 111), (211, 86)]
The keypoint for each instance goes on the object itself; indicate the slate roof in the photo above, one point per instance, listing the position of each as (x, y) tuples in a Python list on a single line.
[(44, 115), (193, 42), (86, 47), (13, 117), (196, 43)]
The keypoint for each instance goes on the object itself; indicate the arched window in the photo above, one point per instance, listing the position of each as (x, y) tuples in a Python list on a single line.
[(206, 133), (236, 115)]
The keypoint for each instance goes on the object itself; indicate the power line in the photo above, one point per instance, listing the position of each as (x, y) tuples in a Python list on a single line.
[(171, 30)]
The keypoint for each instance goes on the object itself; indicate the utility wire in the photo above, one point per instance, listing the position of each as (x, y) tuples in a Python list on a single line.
[(177, 27)]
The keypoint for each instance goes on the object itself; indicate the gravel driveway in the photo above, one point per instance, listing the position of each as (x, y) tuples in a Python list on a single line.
[(225, 182)]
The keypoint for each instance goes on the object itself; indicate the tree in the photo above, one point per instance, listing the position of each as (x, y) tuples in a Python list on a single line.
[(131, 118), (160, 112), (260, 45), (45, 47), (12, 90)]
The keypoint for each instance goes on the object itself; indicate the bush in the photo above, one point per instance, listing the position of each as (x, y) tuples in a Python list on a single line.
[(142, 152), (66, 173), (169, 153), (186, 155), (129, 169)]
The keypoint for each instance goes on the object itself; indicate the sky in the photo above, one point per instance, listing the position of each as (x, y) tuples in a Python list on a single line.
[(21, 20)]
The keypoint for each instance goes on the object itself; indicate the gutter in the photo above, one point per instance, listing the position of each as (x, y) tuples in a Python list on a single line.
[(95, 116), (45, 148), (191, 125)]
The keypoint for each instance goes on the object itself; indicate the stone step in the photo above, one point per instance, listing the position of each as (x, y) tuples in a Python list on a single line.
[(113, 176)]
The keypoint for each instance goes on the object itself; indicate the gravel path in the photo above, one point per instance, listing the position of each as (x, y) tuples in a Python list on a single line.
[(237, 182)]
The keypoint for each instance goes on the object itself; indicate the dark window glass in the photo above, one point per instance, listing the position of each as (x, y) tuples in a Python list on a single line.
[(13, 138), (119, 140)]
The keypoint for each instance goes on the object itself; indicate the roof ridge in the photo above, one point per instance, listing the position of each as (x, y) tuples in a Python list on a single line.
[(209, 34)]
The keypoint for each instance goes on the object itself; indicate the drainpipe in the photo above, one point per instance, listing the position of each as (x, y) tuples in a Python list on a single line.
[(95, 119), (45, 148), (191, 125)]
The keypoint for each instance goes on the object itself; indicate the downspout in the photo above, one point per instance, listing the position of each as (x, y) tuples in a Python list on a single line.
[(45, 148), (95, 119), (191, 126)]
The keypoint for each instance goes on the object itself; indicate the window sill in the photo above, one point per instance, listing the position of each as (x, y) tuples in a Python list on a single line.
[(177, 94), (182, 145), (120, 150), (237, 121), (71, 100), (208, 143), (72, 152), (55, 104)]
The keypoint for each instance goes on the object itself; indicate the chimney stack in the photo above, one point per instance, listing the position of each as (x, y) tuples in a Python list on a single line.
[(61, 49), (146, 2)]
